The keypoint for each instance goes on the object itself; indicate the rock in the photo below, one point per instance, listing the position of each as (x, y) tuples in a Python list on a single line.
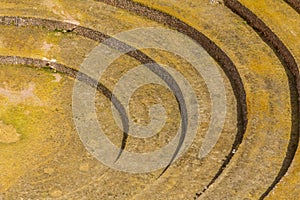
[(56, 193), (49, 171), (8, 133), (84, 167)]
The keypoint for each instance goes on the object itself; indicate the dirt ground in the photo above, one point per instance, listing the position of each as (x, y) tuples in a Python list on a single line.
[(44, 43)]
